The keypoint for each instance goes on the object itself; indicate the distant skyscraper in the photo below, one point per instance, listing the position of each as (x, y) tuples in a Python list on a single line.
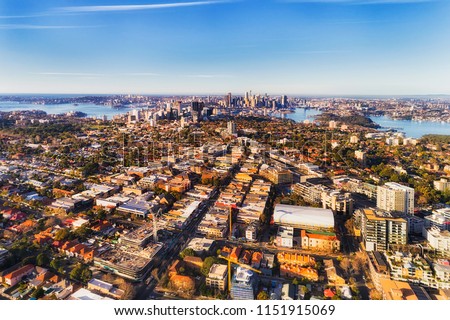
[(284, 101), (228, 100), (394, 197), (247, 99), (274, 104), (207, 112), (197, 106), (177, 106), (195, 116)]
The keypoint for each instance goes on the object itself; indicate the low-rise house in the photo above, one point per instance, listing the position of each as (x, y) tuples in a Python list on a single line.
[(295, 271), (193, 262), (256, 259), (105, 288), (17, 275), (319, 240), (85, 294)]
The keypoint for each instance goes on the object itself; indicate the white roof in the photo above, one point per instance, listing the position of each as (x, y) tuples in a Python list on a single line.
[(85, 294), (397, 186), (303, 216), (217, 271), (243, 275), (79, 222), (190, 209)]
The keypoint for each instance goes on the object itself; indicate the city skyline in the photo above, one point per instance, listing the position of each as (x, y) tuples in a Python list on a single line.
[(309, 47)]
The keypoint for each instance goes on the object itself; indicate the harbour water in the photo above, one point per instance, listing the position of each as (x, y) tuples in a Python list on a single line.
[(412, 129), (92, 110), (302, 114)]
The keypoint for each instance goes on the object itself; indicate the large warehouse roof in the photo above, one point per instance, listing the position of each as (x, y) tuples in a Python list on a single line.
[(298, 216)]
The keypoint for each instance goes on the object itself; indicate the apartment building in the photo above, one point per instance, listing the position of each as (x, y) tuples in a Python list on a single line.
[(277, 175), (217, 277), (438, 239), (394, 197), (380, 229), (442, 184)]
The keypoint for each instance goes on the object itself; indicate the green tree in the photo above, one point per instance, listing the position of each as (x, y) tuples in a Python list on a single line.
[(187, 252), (101, 214), (82, 232), (90, 169), (75, 274), (38, 293), (55, 264), (62, 234), (29, 260), (86, 275), (209, 261), (42, 259), (81, 273)]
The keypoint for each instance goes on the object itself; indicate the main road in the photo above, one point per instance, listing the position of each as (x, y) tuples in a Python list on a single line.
[(179, 241)]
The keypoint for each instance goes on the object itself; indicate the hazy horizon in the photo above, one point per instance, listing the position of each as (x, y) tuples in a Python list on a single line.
[(304, 95)]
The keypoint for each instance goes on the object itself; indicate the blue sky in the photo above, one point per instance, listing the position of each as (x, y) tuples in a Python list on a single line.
[(300, 47)]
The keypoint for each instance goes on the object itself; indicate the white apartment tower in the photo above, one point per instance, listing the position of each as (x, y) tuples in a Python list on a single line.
[(394, 197), (231, 127)]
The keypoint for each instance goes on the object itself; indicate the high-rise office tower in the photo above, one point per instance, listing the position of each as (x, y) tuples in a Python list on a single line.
[(284, 101), (197, 106), (228, 100), (177, 106)]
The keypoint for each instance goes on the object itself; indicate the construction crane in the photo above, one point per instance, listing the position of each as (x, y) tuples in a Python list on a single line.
[(239, 264), (231, 223)]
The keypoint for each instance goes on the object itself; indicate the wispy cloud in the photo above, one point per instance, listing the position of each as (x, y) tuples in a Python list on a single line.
[(338, 22), (70, 74), (90, 74), (139, 74), (390, 1), (24, 16), (208, 76), (38, 27), (128, 74), (136, 7), (323, 51), (74, 10), (359, 2)]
